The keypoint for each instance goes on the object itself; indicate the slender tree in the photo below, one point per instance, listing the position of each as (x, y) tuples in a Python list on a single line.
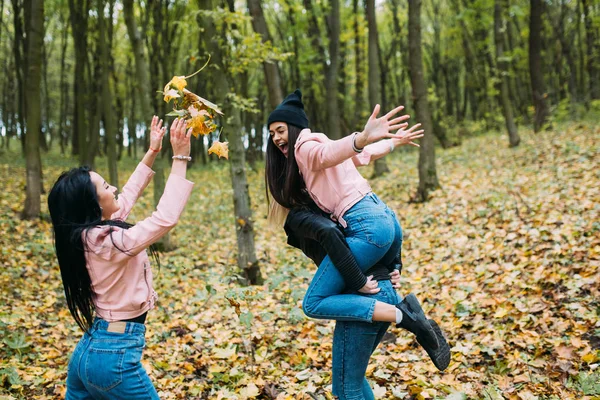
[(374, 73), (108, 118), (79, 11), (35, 34), (536, 66), (499, 28), (270, 68), (428, 180)]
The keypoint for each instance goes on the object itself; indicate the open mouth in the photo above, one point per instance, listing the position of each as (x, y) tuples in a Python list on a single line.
[(283, 147)]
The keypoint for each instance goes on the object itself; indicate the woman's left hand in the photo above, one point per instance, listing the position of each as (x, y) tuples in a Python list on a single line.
[(157, 132), (395, 278), (407, 136)]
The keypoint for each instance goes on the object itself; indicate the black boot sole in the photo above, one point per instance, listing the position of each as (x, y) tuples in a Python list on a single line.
[(441, 356)]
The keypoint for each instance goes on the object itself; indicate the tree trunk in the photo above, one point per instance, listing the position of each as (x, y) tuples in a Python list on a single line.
[(536, 70), (110, 129), (428, 180), (20, 55), (358, 65), (331, 72), (593, 52), (499, 28), (79, 10), (436, 69), (35, 34), (244, 226), (374, 73), (271, 69)]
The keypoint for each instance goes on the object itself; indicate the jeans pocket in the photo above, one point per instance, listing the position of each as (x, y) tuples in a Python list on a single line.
[(104, 367), (378, 230)]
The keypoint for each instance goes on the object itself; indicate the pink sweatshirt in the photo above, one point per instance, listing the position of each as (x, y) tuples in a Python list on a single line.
[(122, 279), (328, 168)]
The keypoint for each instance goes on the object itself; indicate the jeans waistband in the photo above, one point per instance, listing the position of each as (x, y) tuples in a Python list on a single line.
[(119, 326)]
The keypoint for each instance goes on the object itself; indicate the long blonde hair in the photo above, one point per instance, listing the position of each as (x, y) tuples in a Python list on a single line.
[(277, 213)]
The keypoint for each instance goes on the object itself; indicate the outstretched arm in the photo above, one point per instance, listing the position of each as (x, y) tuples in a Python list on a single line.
[(140, 178)]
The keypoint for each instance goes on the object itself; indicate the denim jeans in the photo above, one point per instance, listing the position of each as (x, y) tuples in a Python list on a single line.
[(373, 235), (353, 344), (106, 365)]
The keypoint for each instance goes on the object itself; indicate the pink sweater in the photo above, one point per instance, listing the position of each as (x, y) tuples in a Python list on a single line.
[(122, 279), (328, 168)]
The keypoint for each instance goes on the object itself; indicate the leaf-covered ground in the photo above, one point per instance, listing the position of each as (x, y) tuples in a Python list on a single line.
[(506, 257)]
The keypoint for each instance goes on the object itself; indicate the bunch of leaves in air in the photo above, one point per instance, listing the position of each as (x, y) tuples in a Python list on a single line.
[(197, 111)]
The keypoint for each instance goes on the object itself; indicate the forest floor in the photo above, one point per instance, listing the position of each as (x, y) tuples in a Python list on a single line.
[(506, 257)]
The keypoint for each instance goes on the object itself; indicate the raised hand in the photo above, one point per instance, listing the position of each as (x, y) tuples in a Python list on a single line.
[(407, 136), (180, 138), (380, 128), (157, 132)]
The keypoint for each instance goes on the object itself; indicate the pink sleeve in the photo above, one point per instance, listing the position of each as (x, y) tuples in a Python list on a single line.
[(371, 153), (130, 242), (317, 155), (132, 190)]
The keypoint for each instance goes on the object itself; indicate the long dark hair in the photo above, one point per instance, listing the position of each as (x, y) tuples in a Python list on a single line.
[(74, 210), (282, 175)]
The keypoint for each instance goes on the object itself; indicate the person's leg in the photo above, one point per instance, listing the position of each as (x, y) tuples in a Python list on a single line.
[(75, 388), (353, 344)]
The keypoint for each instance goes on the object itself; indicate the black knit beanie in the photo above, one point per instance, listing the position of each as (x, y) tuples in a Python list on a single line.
[(291, 110)]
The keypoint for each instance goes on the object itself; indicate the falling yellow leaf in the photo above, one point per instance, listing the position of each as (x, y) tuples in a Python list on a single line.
[(220, 149), (178, 82)]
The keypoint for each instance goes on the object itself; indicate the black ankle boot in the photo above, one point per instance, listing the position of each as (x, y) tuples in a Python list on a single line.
[(414, 320)]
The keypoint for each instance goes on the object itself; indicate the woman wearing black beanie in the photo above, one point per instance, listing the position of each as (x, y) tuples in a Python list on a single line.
[(306, 169)]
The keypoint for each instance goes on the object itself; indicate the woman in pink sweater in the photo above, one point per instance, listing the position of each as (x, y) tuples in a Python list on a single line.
[(304, 167), (106, 271)]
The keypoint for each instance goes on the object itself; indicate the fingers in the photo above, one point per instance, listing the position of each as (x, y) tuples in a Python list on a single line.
[(393, 112), (415, 126), (414, 144), (398, 127), (399, 119), (375, 112), (153, 123)]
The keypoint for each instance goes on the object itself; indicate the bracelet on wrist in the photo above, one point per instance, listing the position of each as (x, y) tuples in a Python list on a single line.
[(180, 157), (155, 151), (356, 149)]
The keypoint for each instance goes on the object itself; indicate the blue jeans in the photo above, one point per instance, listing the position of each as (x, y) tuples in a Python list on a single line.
[(373, 235), (106, 365), (353, 344)]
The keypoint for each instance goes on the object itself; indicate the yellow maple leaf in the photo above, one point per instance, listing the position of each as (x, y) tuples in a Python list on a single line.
[(199, 121), (220, 149), (178, 82)]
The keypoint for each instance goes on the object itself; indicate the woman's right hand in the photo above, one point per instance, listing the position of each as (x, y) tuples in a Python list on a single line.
[(180, 139), (371, 287), (380, 128)]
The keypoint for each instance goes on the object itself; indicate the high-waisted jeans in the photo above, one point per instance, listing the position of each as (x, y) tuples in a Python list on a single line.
[(353, 344), (374, 235), (106, 365)]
